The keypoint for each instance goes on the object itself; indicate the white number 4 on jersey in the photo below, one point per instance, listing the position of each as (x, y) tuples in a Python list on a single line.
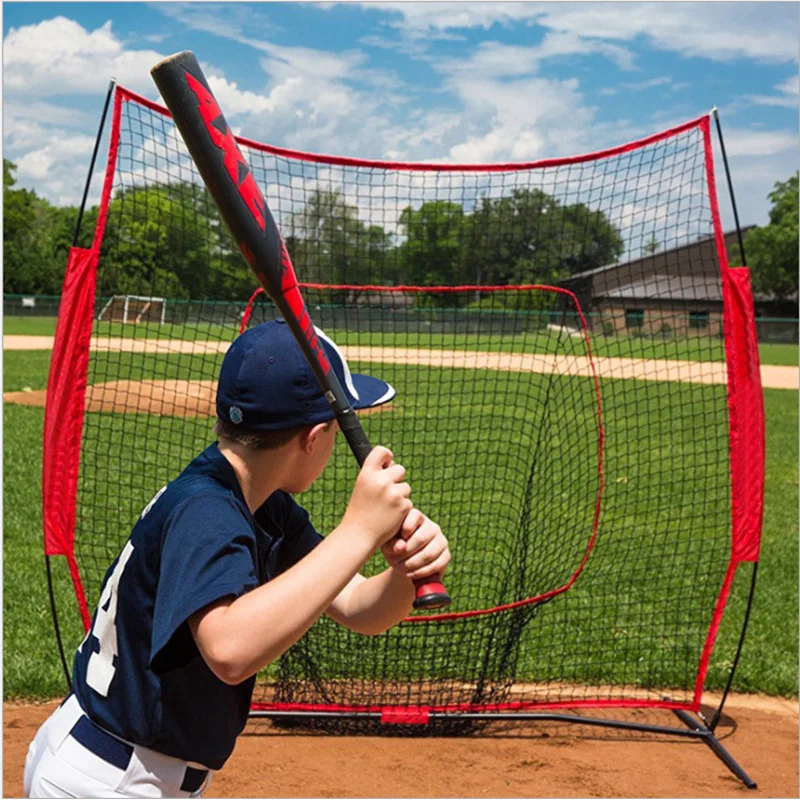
[(100, 670)]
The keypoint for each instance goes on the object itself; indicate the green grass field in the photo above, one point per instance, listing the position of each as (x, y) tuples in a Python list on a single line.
[(661, 517), (686, 349)]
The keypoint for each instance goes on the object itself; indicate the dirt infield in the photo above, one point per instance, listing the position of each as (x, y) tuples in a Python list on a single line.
[(166, 398), (772, 377), (545, 761)]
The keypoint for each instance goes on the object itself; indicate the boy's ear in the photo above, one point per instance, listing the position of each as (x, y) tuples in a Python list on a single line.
[(308, 437)]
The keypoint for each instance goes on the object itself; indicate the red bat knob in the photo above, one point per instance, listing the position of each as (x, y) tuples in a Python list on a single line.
[(431, 593)]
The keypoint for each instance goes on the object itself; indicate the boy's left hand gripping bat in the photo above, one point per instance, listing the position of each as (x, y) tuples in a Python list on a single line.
[(228, 178)]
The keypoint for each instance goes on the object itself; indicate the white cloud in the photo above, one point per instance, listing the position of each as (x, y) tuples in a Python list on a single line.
[(638, 86), (494, 59), (777, 101), (31, 125), (790, 86), (283, 61), (308, 100), (721, 31), (234, 100), (571, 43), (58, 56), (742, 142), (530, 117), (787, 96), (57, 170), (421, 18)]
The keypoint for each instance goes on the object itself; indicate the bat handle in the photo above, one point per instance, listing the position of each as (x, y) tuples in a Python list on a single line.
[(431, 593)]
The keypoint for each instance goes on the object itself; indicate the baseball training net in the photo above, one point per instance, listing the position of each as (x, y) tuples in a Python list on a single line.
[(578, 404)]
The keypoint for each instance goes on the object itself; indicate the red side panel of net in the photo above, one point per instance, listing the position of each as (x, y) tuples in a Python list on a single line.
[(745, 394), (63, 424), (747, 416), (66, 388)]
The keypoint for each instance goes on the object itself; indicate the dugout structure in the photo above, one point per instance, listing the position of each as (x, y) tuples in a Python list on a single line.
[(600, 491)]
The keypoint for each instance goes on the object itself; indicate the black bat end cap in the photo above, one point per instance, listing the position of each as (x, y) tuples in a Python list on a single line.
[(183, 54), (432, 601)]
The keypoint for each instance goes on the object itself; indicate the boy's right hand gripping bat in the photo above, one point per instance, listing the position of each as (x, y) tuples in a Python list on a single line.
[(228, 178)]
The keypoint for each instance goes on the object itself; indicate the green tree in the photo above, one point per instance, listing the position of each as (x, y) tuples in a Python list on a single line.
[(330, 244), (169, 241), (36, 239), (530, 237), (772, 250), (433, 250)]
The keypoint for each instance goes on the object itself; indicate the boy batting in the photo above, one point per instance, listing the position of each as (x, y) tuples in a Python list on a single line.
[(222, 573)]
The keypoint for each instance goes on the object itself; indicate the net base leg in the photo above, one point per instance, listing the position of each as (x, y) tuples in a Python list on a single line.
[(716, 746)]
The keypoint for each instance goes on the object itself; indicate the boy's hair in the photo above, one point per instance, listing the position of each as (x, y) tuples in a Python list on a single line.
[(256, 440)]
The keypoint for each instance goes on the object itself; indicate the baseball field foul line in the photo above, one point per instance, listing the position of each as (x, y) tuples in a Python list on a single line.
[(772, 377)]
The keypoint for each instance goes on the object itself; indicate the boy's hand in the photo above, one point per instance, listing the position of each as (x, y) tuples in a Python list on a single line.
[(419, 550), (379, 502)]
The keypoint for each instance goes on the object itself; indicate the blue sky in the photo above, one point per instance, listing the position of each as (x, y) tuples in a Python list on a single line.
[(467, 82)]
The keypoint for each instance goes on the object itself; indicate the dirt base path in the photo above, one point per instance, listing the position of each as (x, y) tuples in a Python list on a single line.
[(772, 377), (544, 761)]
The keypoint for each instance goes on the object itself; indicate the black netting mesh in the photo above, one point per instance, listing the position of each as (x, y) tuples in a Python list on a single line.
[(497, 417)]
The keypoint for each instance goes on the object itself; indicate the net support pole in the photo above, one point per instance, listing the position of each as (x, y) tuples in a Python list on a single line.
[(716, 746), (718, 713), (693, 729), (111, 84), (715, 112), (67, 676), (87, 186)]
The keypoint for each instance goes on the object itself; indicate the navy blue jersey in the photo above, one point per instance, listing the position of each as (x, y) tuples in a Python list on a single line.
[(139, 673)]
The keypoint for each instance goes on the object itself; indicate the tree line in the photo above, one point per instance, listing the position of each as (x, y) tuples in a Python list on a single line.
[(36, 239), (168, 240)]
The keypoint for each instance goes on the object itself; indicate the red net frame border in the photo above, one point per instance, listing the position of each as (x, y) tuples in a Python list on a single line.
[(63, 425)]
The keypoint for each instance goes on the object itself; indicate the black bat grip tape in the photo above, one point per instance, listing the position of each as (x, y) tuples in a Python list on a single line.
[(350, 426)]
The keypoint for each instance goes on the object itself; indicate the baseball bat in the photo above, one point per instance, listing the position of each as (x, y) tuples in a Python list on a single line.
[(227, 176)]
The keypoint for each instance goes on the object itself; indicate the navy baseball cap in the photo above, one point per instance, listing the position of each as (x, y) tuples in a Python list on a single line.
[(266, 384)]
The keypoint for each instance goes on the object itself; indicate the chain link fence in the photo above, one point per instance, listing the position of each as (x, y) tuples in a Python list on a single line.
[(228, 313)]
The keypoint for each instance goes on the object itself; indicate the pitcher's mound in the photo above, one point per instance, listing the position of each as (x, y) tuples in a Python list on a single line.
[(166, 398)]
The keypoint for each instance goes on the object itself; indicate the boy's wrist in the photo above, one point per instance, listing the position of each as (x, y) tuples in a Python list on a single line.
[(357, 536), (401, 578)]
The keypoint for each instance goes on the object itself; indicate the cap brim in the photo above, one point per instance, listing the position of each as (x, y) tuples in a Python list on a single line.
[(372, 392)]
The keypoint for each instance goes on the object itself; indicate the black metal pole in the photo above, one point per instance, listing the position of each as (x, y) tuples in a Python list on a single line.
[(715, 721), (717, 747), (693, 730), (56, 625), (718, 713), (53, 611), (513, 716), (715, 112), (111, 84)]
